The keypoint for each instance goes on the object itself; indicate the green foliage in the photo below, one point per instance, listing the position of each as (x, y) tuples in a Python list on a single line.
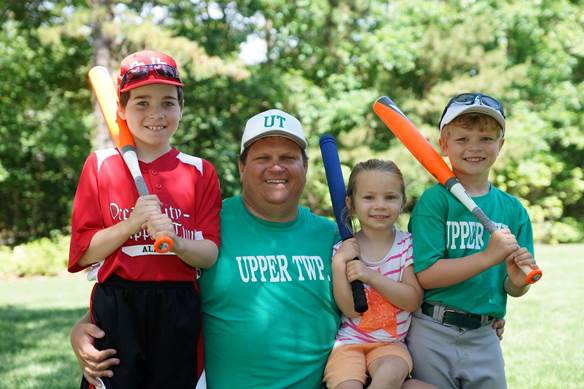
[(41, 134), (326, 62), (45, 257)]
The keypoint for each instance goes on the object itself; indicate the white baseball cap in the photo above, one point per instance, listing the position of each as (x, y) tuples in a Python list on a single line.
[(273, 122), (473, 103)]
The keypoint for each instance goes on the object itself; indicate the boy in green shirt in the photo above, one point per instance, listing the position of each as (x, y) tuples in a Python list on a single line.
[(466, 272)]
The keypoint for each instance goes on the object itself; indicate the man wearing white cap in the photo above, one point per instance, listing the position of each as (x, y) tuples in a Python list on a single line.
[(269, 314)]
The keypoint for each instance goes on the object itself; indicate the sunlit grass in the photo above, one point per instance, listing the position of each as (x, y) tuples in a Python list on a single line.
[(542, 342)]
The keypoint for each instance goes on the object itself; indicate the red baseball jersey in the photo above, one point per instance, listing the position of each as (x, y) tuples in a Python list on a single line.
[(188, 189)]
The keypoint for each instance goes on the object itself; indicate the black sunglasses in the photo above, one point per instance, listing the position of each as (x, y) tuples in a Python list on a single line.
[(140, 72), (470, 98)]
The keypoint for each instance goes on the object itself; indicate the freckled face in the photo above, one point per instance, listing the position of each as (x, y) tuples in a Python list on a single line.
[(152, 113), (472, 152)]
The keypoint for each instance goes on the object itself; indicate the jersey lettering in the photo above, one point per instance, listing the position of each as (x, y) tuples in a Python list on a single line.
[(274, 268), (119, 213), (466, 235)]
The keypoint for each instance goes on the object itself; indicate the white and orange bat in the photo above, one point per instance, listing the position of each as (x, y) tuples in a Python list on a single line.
[(107, 98), (420, 148)]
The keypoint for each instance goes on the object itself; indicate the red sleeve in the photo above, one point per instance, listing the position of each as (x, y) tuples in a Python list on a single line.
[(208, 204), (86, 218)]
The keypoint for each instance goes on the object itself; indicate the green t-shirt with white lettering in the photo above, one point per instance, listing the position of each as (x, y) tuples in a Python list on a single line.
[(443, 228), (269, 315)]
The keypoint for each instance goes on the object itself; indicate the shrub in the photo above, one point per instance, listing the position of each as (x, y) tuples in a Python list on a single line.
[(45, 256)]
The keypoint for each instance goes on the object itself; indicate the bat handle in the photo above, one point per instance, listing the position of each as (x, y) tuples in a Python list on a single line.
[(359, 298), (163, 244), (532, 274)]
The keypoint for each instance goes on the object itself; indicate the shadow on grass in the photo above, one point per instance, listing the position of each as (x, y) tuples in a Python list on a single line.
[(34, 348)]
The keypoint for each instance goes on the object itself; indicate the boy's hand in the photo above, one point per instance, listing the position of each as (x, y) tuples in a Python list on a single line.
[(348, 251), (145, 207), (501, 244), (519, 257), (160, 224), (356, 270)]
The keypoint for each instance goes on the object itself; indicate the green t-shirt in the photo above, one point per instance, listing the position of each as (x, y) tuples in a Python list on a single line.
[(269, 315), (443, 228)]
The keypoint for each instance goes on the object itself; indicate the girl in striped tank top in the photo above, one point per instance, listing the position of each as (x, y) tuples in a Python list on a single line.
[(372, 344)]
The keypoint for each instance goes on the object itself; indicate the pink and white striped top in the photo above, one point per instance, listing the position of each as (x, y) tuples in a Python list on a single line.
[(382, 322)]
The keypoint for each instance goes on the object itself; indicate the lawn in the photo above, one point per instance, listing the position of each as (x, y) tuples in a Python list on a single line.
[(542, 342)]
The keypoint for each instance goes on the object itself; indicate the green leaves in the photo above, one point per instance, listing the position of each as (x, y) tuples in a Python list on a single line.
[(326, 62)]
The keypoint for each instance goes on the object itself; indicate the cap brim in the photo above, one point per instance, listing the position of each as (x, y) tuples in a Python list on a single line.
[(455, 111), (284, 134), (148, 81)]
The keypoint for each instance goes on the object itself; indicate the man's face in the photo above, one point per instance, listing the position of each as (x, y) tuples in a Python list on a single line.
[(273, 178)]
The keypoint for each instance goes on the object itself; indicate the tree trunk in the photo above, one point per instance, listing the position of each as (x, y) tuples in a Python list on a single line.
[(102, 9)]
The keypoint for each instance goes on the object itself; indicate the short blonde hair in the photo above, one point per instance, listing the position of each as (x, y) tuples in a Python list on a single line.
[(472, 121)]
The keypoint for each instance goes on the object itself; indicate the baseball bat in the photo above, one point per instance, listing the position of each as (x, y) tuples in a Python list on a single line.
[(105, 93), (420, 148), (336, 184)]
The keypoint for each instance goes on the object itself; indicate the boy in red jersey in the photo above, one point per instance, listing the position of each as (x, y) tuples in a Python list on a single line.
[(147, 302)]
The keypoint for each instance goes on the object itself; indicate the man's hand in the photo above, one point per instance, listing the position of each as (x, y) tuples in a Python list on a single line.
[(499, 326), (93, 362)]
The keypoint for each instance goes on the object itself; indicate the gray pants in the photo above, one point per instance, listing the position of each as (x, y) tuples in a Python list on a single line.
[(451, 357)]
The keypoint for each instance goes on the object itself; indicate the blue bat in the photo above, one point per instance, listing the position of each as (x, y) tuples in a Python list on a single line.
[(336, 184)]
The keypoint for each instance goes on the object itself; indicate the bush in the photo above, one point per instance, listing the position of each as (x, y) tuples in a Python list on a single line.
[(45, 256)]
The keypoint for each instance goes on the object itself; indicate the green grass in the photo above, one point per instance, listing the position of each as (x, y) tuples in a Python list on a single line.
[(542, 342), (36, 315)]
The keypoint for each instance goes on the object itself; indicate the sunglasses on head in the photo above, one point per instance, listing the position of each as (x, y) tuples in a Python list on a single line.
[(141, 72), (471, 98)]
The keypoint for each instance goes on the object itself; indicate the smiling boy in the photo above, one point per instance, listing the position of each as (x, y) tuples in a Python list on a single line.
[(466, 272)]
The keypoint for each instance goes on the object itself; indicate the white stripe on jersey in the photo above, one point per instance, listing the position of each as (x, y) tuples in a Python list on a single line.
[(104, 154), (191, 160)]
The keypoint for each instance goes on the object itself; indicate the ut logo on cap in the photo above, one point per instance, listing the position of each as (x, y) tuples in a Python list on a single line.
[(270, 120)]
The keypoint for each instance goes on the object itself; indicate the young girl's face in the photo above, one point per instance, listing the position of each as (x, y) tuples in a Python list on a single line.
[(377, 201)]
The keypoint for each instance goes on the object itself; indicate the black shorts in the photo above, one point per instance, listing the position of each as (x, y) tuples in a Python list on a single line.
[(154, 326)]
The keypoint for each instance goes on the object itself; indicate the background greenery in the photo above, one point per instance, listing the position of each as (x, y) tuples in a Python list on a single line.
[(326, 61), (542, 343)]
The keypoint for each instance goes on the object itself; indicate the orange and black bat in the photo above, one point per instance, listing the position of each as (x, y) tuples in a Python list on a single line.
[(105, 93), (420, 148)]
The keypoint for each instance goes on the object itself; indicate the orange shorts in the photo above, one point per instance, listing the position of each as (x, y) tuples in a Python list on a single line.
[(352, 361)]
